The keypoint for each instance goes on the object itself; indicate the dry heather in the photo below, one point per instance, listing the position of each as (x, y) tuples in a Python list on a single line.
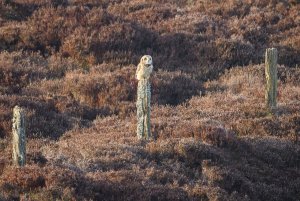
[(223, 145), (71, 65)]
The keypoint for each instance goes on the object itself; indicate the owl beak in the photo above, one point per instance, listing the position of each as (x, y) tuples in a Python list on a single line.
[(148, 62)]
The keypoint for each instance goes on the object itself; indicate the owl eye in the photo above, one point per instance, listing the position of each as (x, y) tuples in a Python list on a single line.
[(145, 58)]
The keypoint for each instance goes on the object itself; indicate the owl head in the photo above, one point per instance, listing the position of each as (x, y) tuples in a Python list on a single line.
[(146, 60)]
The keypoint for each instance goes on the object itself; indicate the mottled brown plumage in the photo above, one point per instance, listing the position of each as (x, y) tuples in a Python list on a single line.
[(144, 68)]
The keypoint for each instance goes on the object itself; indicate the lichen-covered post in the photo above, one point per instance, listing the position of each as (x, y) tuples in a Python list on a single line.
[(143, 73), (271, 77), (19, 137)]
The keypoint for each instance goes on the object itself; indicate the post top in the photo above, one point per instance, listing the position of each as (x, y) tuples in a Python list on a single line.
[(18, 108)]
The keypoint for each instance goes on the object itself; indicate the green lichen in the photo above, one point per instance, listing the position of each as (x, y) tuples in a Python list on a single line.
[(19, 137), (143, 109)]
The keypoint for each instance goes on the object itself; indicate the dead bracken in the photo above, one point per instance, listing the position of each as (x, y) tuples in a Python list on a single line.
[(71, 66)]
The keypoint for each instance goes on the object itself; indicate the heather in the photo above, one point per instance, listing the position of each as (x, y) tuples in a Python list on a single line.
[(71, 66)]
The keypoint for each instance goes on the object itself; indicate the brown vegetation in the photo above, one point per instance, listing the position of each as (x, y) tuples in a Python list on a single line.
[(71, 65)]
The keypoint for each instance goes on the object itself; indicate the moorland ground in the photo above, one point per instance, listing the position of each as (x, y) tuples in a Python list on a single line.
[(71, 65)]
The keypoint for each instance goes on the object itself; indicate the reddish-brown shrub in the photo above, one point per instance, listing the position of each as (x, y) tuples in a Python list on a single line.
[(64, 62), (23, 179), (218, 136)]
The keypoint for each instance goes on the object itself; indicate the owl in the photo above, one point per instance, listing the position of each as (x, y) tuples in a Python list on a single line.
[(144, 68)]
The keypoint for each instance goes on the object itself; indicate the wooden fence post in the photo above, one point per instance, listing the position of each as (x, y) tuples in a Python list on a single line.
[(19, 137), (271, 77)]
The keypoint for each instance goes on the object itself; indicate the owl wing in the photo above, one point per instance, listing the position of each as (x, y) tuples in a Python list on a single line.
[(150, 69), (137, 70)]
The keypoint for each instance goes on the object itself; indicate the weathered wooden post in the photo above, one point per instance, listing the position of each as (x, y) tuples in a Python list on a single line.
[(143, 72), (271, 77), (2, 165), (19, 137)]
